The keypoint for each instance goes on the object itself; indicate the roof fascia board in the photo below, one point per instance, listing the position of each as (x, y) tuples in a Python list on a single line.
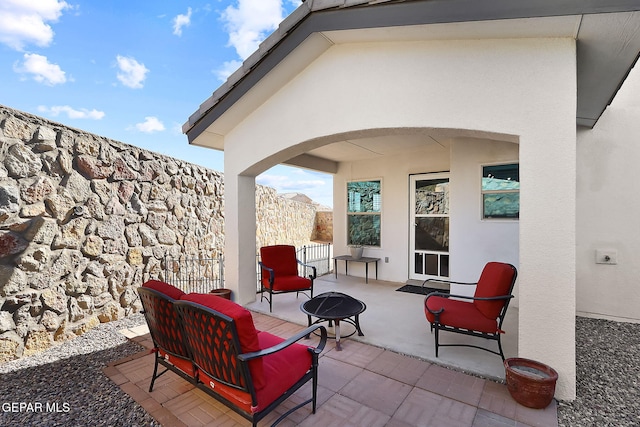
[(399, 14)]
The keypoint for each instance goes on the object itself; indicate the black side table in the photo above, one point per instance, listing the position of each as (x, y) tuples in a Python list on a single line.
[(347, 258)]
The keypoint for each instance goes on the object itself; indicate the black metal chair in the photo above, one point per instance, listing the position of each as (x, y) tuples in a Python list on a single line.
[(279, 272), (480, 315)]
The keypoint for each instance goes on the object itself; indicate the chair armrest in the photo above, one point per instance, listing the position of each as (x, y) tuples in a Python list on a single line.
[(270, 270), (313, 268), (442, 294), (434, 294), (291, 340)]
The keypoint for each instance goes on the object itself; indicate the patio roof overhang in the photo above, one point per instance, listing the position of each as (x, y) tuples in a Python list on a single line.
[(607, 34)]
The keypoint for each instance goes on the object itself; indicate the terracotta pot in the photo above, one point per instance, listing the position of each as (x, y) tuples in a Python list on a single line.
[(530, 383), (222, 292)]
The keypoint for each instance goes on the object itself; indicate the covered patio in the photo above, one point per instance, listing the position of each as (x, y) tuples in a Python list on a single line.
[(395, 321), (386, 91), (389, 376)]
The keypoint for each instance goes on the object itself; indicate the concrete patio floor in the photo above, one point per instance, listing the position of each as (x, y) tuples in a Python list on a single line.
[(396, 321), (365, 384)]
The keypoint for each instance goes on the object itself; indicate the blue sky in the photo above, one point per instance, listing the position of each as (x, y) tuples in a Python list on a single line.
[(134, 71)]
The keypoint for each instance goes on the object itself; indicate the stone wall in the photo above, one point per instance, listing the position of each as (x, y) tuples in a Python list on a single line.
[(85, 220), (282, 221), (323, 229)]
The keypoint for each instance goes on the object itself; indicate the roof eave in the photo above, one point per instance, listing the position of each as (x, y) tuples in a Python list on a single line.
[(326, 15)]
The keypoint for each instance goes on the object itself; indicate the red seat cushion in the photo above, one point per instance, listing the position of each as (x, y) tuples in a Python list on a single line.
[(247, 334), (496, 280), (184, 364), (459, 314), (289, 283), (167, 289), (282, 370)]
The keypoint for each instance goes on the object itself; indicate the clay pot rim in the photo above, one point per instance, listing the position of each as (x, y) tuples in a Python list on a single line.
[(521, 361)]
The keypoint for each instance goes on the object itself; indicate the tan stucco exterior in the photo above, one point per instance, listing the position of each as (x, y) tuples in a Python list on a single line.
[(485, 100), (608, 208)]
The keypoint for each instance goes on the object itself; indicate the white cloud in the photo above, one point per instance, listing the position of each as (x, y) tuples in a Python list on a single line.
[(132, 73), (26, 22), (41, 69), (181, 21), (176, 128), (286, 179), (151, 124), (72, 113), (284, 183), (228, 68), (250, 22)]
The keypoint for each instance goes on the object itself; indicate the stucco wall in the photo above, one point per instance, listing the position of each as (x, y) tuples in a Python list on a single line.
[(517, 90), (393, 171), (608, 208), (473, 241), (85, 220), (476, 241)]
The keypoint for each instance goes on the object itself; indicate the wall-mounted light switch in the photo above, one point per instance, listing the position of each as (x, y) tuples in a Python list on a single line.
[(386, 259)]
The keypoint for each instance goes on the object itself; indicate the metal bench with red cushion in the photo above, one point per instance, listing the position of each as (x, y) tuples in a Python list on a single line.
[(248, 370)]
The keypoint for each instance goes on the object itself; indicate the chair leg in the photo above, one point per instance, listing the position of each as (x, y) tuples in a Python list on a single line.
[(314, 392), (500, 348), (437, 335), (155, 371)]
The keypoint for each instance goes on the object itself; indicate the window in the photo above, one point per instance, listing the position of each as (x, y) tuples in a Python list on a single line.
[(501, 191), (363, 213)]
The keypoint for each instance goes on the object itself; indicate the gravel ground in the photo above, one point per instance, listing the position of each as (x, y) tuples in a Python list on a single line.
[(65, 385), (608, 368), (67, 380)]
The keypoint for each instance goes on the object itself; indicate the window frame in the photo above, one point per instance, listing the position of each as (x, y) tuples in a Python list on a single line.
[(507, 191), (372, 213)]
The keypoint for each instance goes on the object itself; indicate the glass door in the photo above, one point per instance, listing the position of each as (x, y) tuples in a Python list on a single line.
[(429, 226)]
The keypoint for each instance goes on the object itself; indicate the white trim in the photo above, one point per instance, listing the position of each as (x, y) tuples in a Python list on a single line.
[(413, 178)]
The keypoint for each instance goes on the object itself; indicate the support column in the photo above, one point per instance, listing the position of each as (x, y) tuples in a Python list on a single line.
[(240, 236), (547, 274)]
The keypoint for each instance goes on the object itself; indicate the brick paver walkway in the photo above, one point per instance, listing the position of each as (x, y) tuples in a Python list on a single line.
[(361, 385)]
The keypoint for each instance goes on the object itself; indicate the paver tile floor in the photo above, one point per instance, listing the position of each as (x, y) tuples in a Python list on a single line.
[(362, 385)]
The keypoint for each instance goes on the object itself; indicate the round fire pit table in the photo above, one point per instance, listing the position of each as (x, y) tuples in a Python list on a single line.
[(335, 307)]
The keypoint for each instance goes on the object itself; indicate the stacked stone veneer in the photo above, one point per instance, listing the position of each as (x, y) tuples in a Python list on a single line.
[(85, 220), (323, 230)]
